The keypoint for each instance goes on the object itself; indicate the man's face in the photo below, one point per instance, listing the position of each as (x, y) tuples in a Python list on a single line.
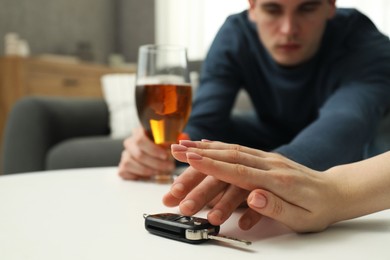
[(291, 30)]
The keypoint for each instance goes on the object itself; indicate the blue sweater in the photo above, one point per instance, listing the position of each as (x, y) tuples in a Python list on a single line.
[(321, 113)]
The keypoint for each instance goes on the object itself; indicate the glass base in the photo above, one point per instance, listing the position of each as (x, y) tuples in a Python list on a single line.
[(163, 178)]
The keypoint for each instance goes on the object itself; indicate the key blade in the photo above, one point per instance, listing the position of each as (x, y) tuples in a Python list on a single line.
[(229, 239)]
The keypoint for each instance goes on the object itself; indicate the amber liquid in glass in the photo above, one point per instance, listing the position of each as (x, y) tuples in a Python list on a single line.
[(163, 110)]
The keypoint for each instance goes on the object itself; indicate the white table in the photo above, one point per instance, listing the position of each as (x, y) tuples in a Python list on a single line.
[(93, 214)]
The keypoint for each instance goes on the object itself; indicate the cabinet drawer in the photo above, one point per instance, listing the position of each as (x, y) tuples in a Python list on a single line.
[(63, 84)]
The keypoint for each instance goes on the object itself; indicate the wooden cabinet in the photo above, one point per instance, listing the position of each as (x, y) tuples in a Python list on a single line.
[(21, 77)]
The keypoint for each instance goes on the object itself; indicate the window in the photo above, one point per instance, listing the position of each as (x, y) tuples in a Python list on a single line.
[(193, 23), (377, 10)]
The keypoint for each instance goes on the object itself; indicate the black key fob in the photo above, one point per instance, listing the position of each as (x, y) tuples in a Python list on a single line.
[(192, 230)]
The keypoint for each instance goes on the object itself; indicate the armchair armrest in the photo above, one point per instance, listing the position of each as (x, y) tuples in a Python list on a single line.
[(35, 124)]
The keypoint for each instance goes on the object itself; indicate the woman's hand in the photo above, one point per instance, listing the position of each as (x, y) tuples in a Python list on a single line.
[(273, 186), (193, 190)]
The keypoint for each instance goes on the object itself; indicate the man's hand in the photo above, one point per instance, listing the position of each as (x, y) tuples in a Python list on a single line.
[(142, 158)]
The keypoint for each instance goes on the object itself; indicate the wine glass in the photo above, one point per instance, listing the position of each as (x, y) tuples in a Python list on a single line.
[(163, 95)]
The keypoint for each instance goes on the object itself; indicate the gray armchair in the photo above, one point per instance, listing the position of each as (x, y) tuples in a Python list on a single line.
[(44, 133)]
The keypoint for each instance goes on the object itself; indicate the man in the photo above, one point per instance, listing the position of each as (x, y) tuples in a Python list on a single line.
[(317, 78)]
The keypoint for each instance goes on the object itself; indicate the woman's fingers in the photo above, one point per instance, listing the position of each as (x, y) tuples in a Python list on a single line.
[(179, 152), (183, 185), (231, 199), (223, 146), (247, 178), (295, 217), (234, 154), (249, 219), (201, 195)]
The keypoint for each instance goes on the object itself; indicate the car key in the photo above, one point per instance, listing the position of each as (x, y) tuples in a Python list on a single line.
[(192, 230)]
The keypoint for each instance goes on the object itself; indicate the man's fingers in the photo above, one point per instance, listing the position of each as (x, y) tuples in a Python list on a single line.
[(130, 169), (142, 159), (145, 145)]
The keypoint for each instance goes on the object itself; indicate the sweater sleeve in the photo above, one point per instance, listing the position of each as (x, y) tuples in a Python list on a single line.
[(339, 135), (219, 85)]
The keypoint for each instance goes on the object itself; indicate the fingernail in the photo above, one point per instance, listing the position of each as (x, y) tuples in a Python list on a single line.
[(187, 143), (194, 156), (217, 214), (206, 141), (178, 148), (189, 205), (258, 201)]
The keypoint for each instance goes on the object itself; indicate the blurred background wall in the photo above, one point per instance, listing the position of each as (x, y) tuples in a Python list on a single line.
[(61, 26)]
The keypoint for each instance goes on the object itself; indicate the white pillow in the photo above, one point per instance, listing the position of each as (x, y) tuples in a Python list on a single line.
[(119, 94)]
